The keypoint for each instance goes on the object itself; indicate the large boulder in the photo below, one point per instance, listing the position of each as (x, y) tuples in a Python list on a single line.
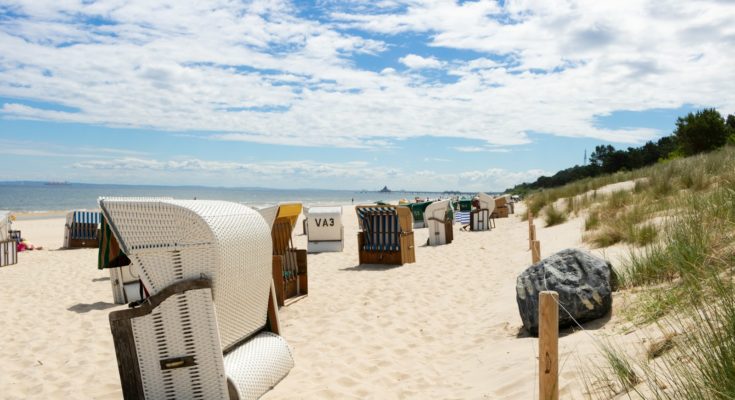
[(584, 283)]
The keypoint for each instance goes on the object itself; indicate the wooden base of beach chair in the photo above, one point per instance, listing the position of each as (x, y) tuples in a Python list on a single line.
[(84, 243), (405, 255), (294, 287), (448, 231), (501, 212), (8, 252)]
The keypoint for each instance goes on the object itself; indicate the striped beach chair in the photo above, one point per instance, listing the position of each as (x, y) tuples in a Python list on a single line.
[(81, 229), (386, 235)]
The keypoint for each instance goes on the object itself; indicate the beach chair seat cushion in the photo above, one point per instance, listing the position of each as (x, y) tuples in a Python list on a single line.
[(248, 374)]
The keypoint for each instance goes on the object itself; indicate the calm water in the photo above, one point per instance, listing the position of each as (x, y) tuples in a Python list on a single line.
[(41, 197)]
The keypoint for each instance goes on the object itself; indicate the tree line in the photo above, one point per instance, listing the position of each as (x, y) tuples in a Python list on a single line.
[(698, 132)]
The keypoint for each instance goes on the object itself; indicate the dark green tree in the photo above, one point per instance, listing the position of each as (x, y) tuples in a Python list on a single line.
[(702, 131)]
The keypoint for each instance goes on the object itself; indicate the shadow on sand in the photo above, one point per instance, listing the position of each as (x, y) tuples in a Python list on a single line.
[(370, 267), (588, 326), (82, 308)]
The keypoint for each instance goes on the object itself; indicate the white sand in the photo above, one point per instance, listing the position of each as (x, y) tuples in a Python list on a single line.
[(446, 326)]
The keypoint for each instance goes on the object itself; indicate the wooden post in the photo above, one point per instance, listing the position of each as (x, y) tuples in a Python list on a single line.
[(548, 341), (535, 251), (531, 236)]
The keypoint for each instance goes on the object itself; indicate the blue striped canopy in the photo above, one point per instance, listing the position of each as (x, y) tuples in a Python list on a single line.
[(381, 228), (84, 225)]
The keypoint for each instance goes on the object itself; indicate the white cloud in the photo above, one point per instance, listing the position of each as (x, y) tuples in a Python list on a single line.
[(302, 173), (414, 61), (260, 71)]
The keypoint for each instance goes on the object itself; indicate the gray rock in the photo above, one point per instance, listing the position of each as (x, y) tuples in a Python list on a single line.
[(583, 281)]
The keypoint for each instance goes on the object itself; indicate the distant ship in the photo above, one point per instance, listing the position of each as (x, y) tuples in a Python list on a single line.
[(56, 183), (385, 190)]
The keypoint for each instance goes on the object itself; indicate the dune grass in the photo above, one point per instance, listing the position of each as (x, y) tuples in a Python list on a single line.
[(554, 216), (683, 268)]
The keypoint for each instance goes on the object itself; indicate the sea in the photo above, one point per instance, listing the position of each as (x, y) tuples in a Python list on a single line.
[(49, 197)]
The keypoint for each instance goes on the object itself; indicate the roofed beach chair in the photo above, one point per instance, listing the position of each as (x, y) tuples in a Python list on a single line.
[(81, 229), (386, 235), (8, 244), (503, 207), (438, 218), (417, 210), (210, 328), (480, 217), (325, 231), (289, 264)]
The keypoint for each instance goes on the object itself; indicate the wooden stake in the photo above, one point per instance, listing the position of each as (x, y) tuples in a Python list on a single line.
[(531, 236), (548, 341), (535, 251)]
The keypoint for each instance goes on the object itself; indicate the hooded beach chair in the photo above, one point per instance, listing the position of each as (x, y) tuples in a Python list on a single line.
[(480, 217), (417, 211), (81, 229), (289, 264), (209, 329), (386, 235), (325, 232), (438, 218), (8, 244), (503, 207)]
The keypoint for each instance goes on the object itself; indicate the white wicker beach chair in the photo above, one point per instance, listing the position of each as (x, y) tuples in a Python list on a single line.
[(440, 227), (480, 219), (210, 328)]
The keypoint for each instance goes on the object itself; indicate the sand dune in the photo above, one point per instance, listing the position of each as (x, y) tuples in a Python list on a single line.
[(446, 326)]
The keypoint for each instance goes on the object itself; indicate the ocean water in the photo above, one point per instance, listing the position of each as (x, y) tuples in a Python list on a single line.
[(34, 196)]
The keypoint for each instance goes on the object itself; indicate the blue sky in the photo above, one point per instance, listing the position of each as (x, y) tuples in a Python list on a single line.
[(422, 95)]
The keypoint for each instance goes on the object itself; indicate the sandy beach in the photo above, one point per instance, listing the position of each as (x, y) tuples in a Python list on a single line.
[(444, 327)]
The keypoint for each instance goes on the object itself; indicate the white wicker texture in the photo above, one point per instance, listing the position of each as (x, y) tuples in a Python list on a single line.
[(182, 325), (171, 240), (434, 215), (269, 214), (258, 365)]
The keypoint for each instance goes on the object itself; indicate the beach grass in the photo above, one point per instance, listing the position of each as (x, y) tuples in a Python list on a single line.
[(679, 221)]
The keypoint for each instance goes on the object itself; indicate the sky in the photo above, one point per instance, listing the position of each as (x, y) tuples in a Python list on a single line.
[(416, 95)]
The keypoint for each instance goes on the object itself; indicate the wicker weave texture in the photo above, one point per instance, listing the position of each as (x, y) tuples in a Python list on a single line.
[(171, 240), (258, 365), (183, 325), (269, 214)]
